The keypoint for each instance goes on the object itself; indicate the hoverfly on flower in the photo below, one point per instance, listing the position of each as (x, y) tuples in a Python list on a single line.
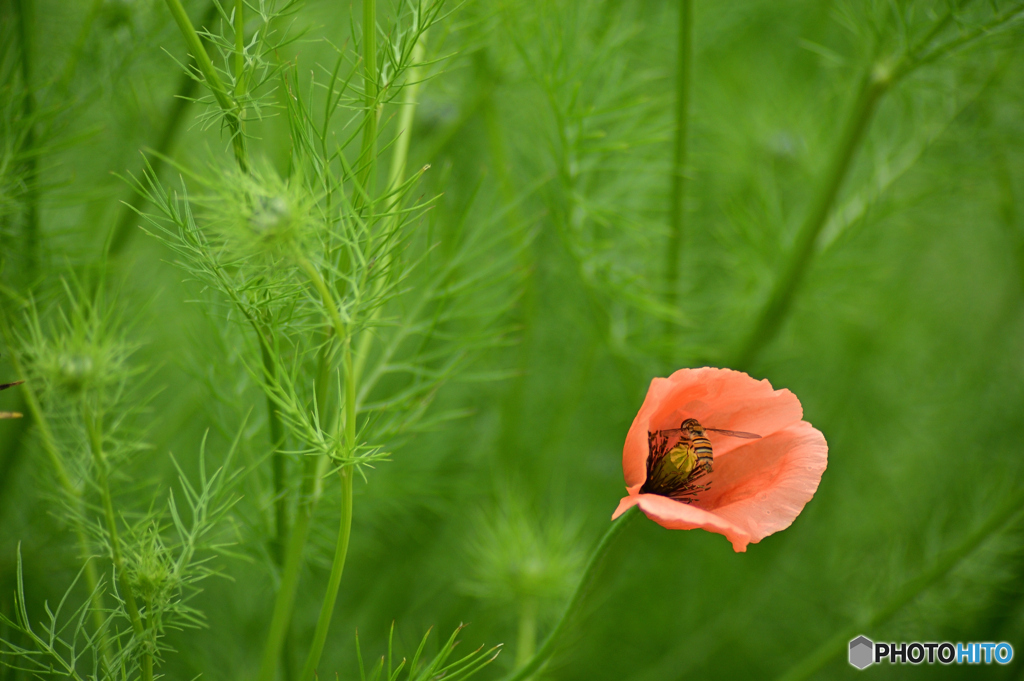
[(761, 482), (675, 471)]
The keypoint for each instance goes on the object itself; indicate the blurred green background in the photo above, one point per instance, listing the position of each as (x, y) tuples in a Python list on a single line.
[(556, 119)]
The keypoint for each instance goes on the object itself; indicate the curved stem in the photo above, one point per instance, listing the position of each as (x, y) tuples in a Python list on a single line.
[(526, 638), (582, 589), (185, 93), (873, 85), (232, 111), (323, 622), (284, 602)]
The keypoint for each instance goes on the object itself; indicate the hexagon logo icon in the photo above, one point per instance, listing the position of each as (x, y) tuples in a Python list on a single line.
[(862, 652)]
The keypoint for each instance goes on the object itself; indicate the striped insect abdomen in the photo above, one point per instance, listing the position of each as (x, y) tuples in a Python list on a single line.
[(702, 449)]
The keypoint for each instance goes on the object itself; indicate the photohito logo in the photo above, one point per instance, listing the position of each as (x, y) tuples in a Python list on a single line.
[(864, 652)]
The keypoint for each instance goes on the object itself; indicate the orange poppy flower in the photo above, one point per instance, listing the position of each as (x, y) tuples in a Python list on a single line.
[(719, 450)]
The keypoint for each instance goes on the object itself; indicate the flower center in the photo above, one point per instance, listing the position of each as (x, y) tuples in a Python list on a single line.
[(677, 460)]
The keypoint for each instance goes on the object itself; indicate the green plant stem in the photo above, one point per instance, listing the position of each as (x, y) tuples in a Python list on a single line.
[(320, 285), (406, 116), (284, 602), (873, 85), (526, 637), (368, 153), (119, 236), (31, 164), (277, 457), (582, 589), (94, 428), (396, 172), (232, 111), (298, 535), (239, 46), (323, 622), (835, 646), (677, 207), (74, 496), (881, 78)]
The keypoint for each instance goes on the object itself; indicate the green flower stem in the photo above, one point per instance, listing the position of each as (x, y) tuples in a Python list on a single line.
[(368, 153), (881, 78), (582, 590), (400, 151), (284, 602), (526, 637), (277, 457), (873, 85), (835, 646), (239, 47), (94, 427), (396, 172), (71, 492), (229, 106), (677, 208), (323, 622), (325, 294)]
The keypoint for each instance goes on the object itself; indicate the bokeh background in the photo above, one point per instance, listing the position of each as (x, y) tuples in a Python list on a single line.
[(555, 121)]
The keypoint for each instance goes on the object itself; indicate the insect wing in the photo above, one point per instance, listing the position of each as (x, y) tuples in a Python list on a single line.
[(736, 433)]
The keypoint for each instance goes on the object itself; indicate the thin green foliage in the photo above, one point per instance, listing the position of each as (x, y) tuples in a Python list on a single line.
[(378, 214), (436, 667)]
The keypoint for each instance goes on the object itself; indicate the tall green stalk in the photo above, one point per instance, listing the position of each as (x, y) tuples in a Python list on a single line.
[(879, 79), (677, 199), (526, 636), (872, 86), (582, 590), (284, 603), (396, 171), (185, 92), (368, 154), (323, 622), (232, 111), (407, 114), (94, 428)]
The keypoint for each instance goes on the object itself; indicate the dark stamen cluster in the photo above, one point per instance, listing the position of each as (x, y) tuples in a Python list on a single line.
[(664, 479)]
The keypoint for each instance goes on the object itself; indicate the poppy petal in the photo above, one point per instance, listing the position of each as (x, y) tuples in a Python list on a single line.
[(718, 398), (675, 515), (758, 486), (763, 485)]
